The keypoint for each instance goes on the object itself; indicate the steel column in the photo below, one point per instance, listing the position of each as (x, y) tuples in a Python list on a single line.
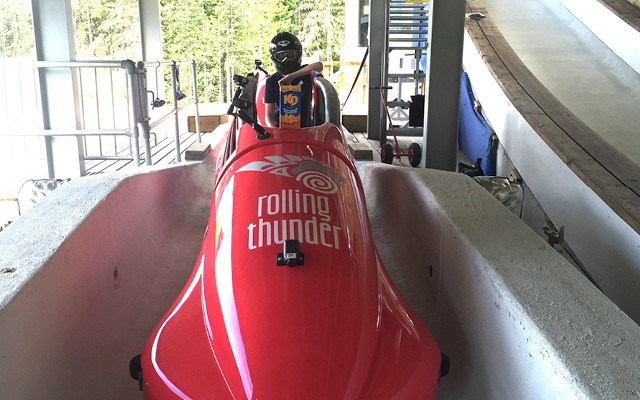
[(351, 23), (135, 105), (444, 67), (194, 78), (150, 30), (378, 50), (174, 89), (53, 30)]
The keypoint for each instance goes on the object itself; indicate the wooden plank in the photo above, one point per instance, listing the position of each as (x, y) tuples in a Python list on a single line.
[(197, 151), (103, 166), (166, 155), (361, 151), (163, 153), (355, 123), (208, 123)]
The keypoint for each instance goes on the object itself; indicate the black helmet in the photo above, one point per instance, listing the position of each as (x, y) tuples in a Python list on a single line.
[(286, 52)]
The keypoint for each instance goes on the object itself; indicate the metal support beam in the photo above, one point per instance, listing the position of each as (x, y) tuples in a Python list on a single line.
[(151, 41), (444, 66), (378, 50), (351, 23), (53, 29), (150, 30)]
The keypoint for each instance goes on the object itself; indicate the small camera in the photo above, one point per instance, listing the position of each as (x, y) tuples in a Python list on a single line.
[(291, 255)]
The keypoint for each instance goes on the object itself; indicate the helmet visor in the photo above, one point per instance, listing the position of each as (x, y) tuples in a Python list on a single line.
[(285, 55)]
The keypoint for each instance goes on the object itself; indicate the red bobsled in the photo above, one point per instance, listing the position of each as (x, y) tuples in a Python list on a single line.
[(288, 298)]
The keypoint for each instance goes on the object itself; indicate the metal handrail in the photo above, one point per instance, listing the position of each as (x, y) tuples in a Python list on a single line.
[(71, 132), (175, 90), (34, 84), (159, 120), (60, 64), (140, 123)]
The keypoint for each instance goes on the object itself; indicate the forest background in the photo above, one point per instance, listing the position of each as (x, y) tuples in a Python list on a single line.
[(223, 36)]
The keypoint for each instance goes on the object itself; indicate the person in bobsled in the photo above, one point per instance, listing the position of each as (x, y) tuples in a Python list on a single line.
[(286, 53)]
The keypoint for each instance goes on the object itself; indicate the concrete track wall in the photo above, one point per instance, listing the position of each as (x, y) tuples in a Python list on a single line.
[(87, 274), (606, 244), (517, 320)]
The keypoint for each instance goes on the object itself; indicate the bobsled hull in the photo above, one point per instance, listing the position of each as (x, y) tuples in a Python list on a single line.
[(333, 328)]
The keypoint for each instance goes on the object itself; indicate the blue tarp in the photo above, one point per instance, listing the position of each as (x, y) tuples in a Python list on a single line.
[(474, 132)]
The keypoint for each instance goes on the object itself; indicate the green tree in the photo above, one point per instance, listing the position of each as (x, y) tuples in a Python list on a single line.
[(106, 29), (223, 36), (16, 29), (322, 29)]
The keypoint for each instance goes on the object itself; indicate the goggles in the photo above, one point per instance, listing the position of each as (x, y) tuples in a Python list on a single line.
[(285, 55)]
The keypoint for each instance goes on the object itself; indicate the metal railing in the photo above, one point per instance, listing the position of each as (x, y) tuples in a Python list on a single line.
[(111, 106), (177, 95)]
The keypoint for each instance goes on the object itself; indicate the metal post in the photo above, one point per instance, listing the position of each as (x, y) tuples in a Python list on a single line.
[(195, 99), (144, 111), (442, 99), (134, 107), (52, 24), (351, 23), (174, 90), (113, 112), (378, 50), (150, 29)]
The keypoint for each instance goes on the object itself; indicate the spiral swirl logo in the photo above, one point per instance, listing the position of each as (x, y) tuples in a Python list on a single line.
[(313, 174), (317, 181)]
